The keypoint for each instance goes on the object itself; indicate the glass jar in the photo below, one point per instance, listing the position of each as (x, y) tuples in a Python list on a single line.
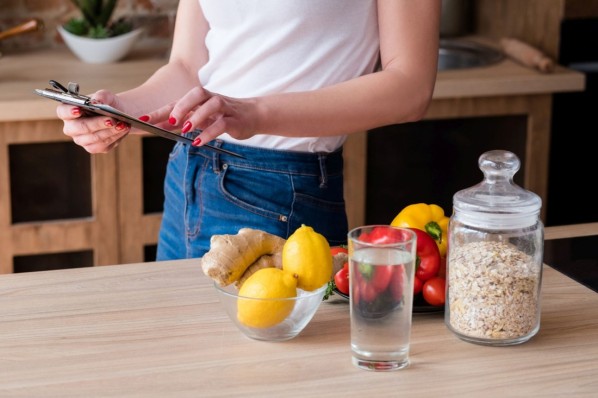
[(495, 256)]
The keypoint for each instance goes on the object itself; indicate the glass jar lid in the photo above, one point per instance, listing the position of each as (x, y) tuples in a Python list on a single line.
[(497, 202)]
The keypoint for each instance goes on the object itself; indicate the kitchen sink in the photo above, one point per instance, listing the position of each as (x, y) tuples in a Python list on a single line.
[(460, 54)]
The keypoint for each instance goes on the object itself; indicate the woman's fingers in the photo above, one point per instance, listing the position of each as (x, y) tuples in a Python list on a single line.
[(100, 141), (68, 112), (191, 101), (96, 134), (159, 116)]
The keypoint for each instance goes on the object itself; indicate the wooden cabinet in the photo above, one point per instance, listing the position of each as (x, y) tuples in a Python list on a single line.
[(141, 162), (59, 205), (55, 231)]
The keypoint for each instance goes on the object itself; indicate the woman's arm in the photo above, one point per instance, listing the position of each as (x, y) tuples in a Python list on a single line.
[(101, 134), (400, 92), (188, 53)]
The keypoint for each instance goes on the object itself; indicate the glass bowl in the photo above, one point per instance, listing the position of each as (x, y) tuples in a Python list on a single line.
[(304, 307)]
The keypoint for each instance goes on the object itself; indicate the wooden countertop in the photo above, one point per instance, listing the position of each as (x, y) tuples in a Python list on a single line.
[(157, 329), (21, 73)]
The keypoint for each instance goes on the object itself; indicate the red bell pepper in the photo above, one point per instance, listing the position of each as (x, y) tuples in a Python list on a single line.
[(428, 258)]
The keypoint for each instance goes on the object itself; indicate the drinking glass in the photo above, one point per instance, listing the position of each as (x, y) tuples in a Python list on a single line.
[(381, 272)]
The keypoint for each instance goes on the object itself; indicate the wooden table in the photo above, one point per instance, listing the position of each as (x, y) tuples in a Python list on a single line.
[(157, 329)]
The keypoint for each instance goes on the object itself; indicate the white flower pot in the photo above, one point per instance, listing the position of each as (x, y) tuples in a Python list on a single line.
[(100, 51)]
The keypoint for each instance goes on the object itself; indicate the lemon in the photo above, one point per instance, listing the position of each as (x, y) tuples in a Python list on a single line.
[(270, 283), (306, 254)]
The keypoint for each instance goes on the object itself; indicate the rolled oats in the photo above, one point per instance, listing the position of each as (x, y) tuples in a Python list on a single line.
[(493, 290)]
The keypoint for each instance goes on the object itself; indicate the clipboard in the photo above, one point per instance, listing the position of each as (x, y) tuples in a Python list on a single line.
[(71, 96)]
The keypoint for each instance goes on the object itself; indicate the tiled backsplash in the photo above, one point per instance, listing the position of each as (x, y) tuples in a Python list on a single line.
[(156, 16)]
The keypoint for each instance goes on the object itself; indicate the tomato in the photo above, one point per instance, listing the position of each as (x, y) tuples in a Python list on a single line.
[(442, 270), (381, 235), (417, 285), (434, 291), (334, 250), (341, 279), (396, 283), (367, 292), (355, 295), (428, 256), (381, 277), (377, 276)]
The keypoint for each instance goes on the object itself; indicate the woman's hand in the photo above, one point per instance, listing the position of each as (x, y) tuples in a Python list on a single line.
[(212, 113), (96, 134)]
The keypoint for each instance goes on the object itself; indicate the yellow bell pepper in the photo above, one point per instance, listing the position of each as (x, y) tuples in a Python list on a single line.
[(428, 218)]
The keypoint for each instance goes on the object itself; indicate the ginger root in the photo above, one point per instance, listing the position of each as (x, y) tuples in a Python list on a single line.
[(231, 255), (265, 261), (338, 261)]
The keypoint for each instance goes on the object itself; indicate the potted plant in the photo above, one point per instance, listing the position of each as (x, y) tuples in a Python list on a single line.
[(94, 36)]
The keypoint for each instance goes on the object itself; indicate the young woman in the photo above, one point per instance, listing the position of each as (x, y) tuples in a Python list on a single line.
[(282, 82)]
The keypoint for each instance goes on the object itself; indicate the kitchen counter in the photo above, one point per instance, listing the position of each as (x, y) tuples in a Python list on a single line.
[(22, 73), (157, 329)]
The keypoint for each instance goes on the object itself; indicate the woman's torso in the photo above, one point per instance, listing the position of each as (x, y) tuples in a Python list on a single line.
[(258, 47)]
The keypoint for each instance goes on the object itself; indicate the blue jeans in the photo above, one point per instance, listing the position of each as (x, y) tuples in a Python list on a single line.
[(207, 193)]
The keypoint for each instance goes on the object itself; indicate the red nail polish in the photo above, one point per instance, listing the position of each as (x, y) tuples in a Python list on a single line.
[(108, 123), (76, 111), (196, 142), (144, 118), (186, 127), (172, 120), (121, 126)]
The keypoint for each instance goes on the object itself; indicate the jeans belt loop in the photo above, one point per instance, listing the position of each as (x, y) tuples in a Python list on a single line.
[(216, 156), (323, 172)]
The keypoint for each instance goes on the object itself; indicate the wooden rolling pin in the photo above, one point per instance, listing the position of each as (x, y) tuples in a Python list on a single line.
[(29, 26), (526, 55)]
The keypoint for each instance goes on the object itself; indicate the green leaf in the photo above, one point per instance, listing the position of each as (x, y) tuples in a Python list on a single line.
[(77, 26), (366, 270), (329, 290), (105, 13), (97, 14), (120, 27), (99, 32)]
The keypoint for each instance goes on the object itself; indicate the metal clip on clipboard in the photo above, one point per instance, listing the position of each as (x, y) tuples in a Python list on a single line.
[(70, 95)]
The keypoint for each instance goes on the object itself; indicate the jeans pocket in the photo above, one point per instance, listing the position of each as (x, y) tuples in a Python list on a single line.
[(176, 150), (326, 216), (267, 194), (257, 197)]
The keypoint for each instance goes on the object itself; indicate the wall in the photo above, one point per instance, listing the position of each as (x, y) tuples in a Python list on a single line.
[(534, 21), (157, 16)]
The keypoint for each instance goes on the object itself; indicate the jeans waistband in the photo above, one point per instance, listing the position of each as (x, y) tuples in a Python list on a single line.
[(322, 164), (274, 159)]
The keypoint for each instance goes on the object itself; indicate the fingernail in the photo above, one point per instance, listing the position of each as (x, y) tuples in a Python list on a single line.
[(172, 120), (120, 126), (186, 127), (76, 111), (144, 118), (196, 142), (108, 123)]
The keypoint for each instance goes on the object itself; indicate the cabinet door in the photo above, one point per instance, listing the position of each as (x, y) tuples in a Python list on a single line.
[(57, 202), (141, 168), (429, 161)]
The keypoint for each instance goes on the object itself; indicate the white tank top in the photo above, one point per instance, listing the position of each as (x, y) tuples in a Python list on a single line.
[(258, 47)]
